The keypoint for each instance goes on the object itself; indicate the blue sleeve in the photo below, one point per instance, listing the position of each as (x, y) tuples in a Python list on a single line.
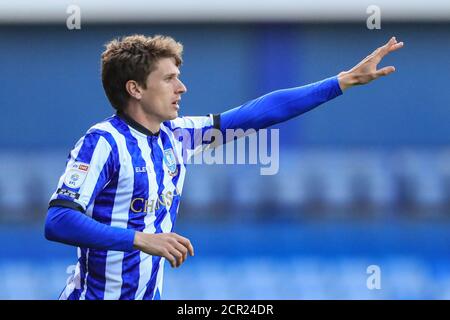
[(279, 106), (72, 227)]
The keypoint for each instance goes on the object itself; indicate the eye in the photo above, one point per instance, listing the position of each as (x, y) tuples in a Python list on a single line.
[(171, 77)]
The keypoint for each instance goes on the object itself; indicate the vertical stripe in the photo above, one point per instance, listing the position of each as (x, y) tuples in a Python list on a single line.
[(157, 157), (157, 295), (110, 167), (101, 168), (103, 279), (89, 149), (102, 212), (145, 267), (82, 262), (71, 292), (102, 193), (114, 259), (167, 222), (164, 181), (166, 226), (77, 278), (176, 198), (178, 149), (131, 260)]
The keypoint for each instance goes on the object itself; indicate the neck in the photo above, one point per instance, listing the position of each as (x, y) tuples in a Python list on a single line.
[(135, 112)]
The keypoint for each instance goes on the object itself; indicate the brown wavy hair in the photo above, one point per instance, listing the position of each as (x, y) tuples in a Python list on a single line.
[(134, 58)]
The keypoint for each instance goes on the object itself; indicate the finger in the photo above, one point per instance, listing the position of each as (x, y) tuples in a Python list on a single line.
[(181, 248), (170, 257), (384, 71), (386, 48), (390, 42), (178, 256), (178, 251), (395, 46), (378, 54), (185, 242)]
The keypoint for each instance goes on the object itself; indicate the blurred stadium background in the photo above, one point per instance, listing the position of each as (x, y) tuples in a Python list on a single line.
[(363, 180)]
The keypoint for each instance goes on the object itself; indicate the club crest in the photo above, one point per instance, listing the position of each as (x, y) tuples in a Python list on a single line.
[(171, 161)]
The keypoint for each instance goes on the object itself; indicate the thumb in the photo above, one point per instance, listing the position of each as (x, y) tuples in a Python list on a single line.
[(385, 71)]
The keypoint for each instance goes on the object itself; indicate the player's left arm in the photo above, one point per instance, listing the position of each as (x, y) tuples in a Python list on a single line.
[(282, 105)]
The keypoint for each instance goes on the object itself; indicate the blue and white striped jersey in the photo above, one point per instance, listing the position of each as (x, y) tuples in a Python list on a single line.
[(122, 175)]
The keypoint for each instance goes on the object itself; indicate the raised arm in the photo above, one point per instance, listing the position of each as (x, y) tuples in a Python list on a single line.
[(282, 105)]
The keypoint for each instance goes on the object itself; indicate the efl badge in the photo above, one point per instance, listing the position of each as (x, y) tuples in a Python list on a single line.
[(171, 162), (76, 174)]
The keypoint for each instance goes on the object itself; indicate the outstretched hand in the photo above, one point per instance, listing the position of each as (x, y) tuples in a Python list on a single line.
[(366, 71)]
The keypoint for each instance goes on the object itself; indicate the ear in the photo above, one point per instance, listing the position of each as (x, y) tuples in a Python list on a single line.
[(133, 89)]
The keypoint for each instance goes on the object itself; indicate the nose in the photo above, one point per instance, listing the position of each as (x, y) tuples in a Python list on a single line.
[(181, 88)]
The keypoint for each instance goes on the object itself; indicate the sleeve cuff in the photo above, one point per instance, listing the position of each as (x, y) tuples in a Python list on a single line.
[(66, 204), (129, 239), (337, 88), (216, 121)]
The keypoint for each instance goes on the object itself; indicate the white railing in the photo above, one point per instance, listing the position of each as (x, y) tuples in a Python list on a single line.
[(135, 11)]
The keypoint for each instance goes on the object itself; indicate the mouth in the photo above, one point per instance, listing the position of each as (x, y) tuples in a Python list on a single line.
[(175, 103)]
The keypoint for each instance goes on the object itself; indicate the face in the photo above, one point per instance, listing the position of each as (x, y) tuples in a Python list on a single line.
[(161, 98)]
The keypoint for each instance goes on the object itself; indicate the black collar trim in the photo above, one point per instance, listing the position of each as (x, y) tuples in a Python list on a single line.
[(132, 123)]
